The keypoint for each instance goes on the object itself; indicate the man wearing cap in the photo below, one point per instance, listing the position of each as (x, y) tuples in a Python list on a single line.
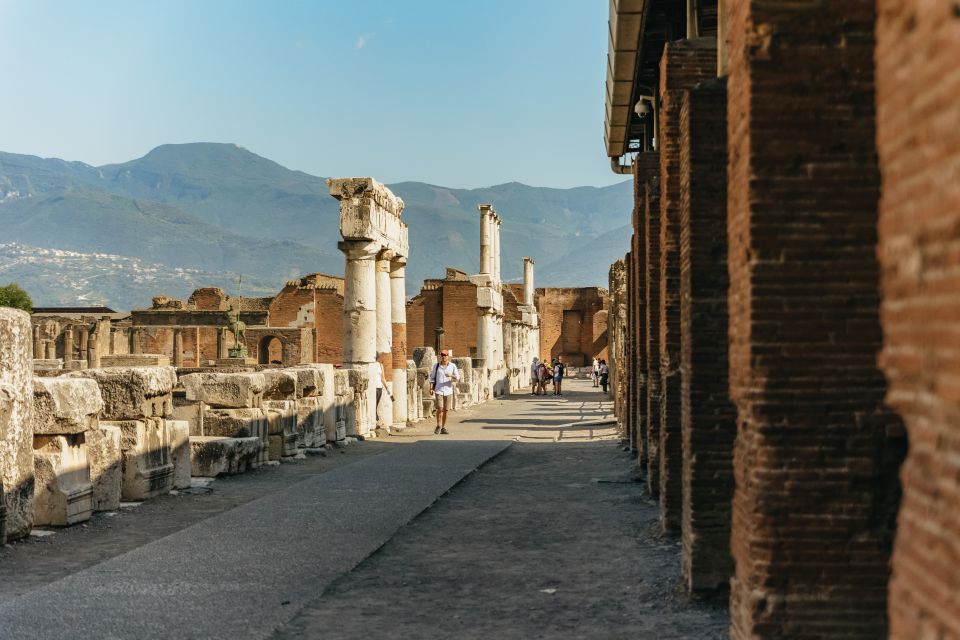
[(442, 377)]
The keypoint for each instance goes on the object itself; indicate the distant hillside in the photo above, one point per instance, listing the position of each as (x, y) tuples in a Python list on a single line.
[(220, 208)]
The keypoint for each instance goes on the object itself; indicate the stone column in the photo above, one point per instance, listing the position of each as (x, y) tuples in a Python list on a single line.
[(178, 347), (68, 344), (135, 346), (817, 452), (384, 331), (360, 310), (398, 320), (496, 249), (84, 343), (16, 431), (51, 349), (486, 241), (37, 343), (528, 281)]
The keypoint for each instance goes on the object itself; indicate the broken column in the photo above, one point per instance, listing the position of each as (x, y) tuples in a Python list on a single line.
[(817, 452), (16, 416), (486, 238), (528, 281), (371, 227)]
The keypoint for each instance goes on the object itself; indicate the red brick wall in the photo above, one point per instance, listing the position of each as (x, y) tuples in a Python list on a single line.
[(209, 299), (459, 318), (286, 306), (683, 64), (651, 327), (328, 327), (424, 314), (708, 418), (814, 471), (918, 121), (631, 418), (551, 302)]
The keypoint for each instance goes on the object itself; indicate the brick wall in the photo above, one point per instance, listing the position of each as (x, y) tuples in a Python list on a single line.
[(683, 64), (632, 418), (918, 122), (459, 318), (814, 469), (551, 302), (651, 328), (708, 418), (328, 325)]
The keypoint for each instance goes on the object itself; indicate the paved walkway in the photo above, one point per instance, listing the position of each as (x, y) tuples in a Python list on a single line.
[(548, 539)]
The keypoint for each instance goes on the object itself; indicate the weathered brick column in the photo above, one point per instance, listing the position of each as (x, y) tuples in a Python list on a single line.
[(646, 166), (918, 122), (16, 431), (815, 474), (651, 330), (683, 64), (708, 418)]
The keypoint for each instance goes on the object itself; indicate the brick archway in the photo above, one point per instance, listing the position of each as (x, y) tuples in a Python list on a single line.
[(270, 349)]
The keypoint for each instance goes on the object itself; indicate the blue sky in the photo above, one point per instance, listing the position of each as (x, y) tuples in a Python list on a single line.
[(458, 93)]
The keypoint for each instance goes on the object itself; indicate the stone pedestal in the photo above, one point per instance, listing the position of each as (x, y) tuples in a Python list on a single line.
[(63, 492)]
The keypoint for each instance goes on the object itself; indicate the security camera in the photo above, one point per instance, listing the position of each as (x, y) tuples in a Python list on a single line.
[(641, 108)]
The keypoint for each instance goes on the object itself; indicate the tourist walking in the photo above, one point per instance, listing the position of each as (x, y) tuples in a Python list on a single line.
[(442, 377), (604, 375), (558, 370), (534, 378), (596, 372), (543, 373)]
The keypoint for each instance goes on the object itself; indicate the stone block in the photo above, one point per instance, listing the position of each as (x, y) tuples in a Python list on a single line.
[(211, 456), (178, 433), (16, 418), (63, 494), (424, 357), (130, 393), (282, 421), (147, 470), (309, 381), (237, 423), (65, 405), (279, 384), (135, 360), (225, 390), (310, 422), (51, 364), (105, 453)]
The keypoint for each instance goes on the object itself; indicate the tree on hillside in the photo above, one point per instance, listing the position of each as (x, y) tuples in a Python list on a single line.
[(14, 296)]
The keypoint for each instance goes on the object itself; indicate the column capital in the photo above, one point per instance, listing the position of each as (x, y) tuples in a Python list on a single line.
[(359, 249), (398, 263)]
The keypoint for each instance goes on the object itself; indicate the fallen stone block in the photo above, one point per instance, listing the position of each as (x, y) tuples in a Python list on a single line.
[(147, 470), (135, 360), (178, 433), (16, 417), (282, 421), (310, 414), (237, 423), (130, 393), (211, 456), (225, 390), (279, 384), (105, 453), (63, 494), (309, 380), (65, 405)]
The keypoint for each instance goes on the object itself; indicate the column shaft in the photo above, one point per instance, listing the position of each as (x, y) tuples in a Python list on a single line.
[(485, 239), (68, 344), (178, 347), (398, 318), (528, 286)]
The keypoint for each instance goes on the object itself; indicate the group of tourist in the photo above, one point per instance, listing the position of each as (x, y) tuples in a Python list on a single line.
[(542, 374), (601, 374)]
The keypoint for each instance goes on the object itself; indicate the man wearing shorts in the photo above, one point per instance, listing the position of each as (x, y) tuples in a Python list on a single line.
[(442, 377)]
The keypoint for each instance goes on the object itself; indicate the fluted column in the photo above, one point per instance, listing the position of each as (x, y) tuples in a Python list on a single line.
[(360, 310), (398, 319)]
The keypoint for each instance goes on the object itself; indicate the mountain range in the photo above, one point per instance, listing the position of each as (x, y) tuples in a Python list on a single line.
[(215, 211)]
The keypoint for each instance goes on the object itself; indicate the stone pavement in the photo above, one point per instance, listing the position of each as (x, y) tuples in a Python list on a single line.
[(548, 540)]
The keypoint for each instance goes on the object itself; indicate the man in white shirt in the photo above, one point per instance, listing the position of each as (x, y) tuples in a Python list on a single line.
[(442, 377)]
